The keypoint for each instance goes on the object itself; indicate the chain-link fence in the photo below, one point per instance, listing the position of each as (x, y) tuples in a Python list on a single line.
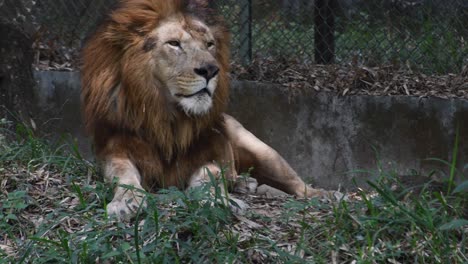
[(57, 27), (427, 35)]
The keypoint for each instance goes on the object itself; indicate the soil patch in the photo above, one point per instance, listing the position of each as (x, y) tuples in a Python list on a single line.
[(354, 79)]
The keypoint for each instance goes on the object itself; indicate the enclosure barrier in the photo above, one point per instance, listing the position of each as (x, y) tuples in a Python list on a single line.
[(426, 35)]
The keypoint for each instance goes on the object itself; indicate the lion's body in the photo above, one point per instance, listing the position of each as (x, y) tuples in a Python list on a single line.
[(155, 86), (157, 169)]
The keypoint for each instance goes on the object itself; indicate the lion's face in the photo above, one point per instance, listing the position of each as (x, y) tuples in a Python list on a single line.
[(183, 62)]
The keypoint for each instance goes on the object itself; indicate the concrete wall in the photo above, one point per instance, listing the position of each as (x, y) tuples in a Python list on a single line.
[(325, 137), (58, 96), (328, 138)]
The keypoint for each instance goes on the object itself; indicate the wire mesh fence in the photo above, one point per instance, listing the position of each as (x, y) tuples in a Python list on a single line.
[(426, 35)]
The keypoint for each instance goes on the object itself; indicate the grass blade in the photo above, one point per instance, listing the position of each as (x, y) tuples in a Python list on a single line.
[(453, 166), (454, 224)]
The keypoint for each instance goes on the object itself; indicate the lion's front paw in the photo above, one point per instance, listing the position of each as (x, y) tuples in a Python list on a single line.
[(313, 192), (125, 205)]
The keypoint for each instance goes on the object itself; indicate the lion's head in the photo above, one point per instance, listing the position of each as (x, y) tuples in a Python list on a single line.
[(156, 62), (183, 60), (156, 67)]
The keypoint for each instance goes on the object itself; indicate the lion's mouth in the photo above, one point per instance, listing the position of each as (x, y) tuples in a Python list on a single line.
[(202, 91)]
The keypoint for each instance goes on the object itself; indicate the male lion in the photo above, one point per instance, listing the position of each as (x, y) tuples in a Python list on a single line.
[(154, 89)]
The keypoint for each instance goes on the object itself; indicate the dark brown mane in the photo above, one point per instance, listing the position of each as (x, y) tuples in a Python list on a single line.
[(120, 94)]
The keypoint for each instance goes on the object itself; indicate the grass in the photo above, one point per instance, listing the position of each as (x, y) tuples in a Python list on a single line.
[(52, 211)]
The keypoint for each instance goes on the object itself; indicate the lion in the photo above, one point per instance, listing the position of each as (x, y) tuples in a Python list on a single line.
[(155, 88)]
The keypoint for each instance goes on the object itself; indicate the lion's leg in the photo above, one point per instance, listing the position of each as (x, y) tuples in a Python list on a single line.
[(126, 200), (268, 166), (202, 176)]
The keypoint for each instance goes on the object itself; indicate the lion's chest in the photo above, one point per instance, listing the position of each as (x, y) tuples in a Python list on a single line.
[(159, 171)]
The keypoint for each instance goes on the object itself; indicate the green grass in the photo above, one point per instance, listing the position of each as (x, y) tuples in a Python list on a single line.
[(52, 211)]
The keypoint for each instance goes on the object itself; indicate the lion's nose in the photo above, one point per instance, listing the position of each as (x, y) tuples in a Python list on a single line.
[(207, 70)]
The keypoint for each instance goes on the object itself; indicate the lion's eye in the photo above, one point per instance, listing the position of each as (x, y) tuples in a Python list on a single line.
[(174, 43), (210, 44)]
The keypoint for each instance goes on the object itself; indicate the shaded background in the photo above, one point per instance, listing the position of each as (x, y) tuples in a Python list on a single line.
[(425, 35)]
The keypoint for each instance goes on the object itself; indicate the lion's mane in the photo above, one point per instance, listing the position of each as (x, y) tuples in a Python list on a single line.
[(121, 100)]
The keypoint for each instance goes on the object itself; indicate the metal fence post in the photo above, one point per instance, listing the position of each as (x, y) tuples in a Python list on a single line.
[(245, 51), (324, 31)]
